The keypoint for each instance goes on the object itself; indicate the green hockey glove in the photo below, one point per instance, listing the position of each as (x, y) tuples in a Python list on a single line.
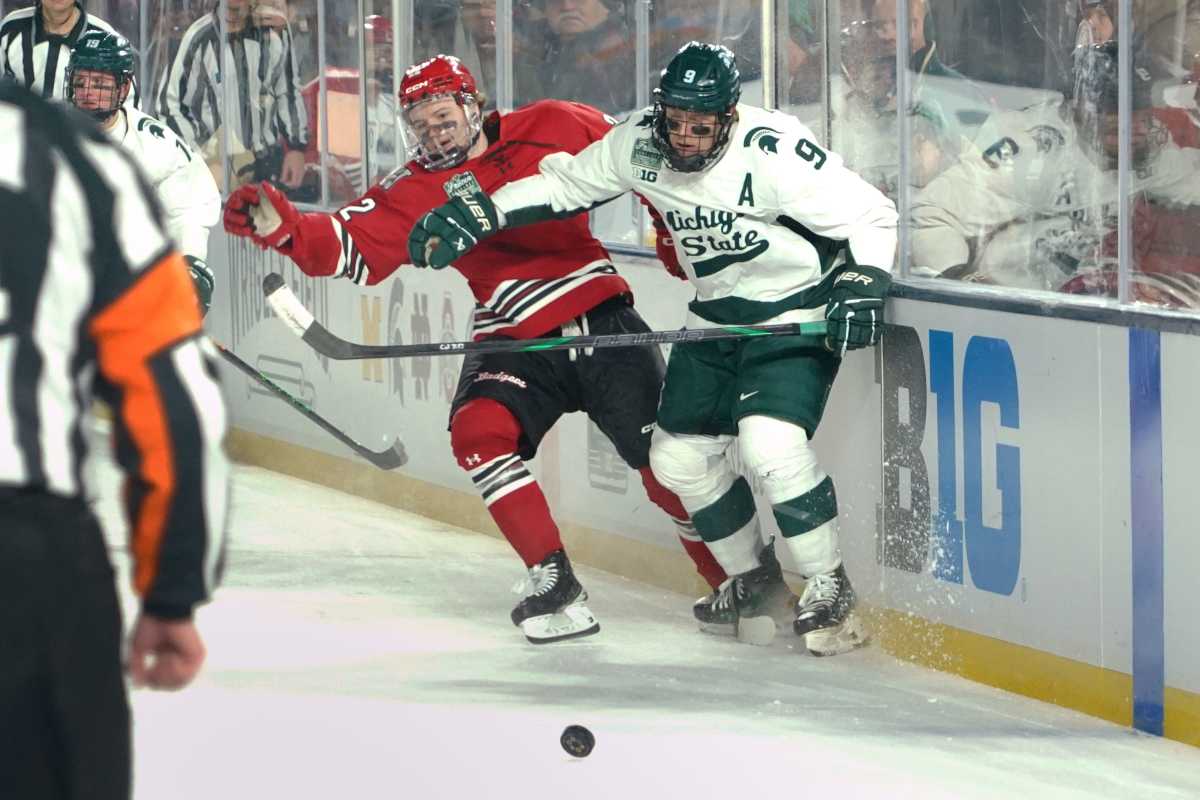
[(447, 232), (204, 281), (855, 308)]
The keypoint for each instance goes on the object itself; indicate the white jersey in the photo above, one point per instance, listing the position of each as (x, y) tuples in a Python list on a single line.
[(756, 232), (180, 178), (1036, 206)]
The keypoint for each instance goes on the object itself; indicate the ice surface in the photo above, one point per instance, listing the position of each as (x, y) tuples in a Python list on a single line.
[(357, 651)]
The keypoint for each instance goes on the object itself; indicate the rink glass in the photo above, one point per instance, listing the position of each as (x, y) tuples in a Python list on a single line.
[(835, 64)]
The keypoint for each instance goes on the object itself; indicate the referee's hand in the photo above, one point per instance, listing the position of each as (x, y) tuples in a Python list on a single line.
[(164, 653)]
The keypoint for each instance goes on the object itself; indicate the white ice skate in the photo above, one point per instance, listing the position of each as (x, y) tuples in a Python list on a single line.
[(554, 605)]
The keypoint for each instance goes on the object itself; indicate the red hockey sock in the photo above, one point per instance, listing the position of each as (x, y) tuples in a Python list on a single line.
[(665, 499), (484, 437)]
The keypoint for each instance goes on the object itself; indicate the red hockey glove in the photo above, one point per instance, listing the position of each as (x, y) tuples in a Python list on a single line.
[(263, 213), (237, 210), (664, 248)]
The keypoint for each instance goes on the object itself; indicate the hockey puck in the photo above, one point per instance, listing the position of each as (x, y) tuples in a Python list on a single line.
[(577, 741)]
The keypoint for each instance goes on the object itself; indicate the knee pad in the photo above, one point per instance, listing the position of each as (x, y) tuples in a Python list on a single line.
[(779, 456), (693, 467), (482, 431)]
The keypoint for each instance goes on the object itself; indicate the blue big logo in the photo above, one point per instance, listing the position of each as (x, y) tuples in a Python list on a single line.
[(914, 537)]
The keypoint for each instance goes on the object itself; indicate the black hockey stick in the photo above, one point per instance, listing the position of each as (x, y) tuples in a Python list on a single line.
[(289, 309), (390, 458)]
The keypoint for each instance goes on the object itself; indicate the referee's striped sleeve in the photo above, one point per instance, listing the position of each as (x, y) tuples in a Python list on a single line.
[(186, 100), (170, 421), (168, 412), (289, 105)]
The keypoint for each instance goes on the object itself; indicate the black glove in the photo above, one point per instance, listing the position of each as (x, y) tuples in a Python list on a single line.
[(449, 231), (203, 279), (855, 308)]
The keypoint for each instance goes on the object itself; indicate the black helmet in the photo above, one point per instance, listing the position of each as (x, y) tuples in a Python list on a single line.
[(1094, 96), (700, 77), (101, 51)]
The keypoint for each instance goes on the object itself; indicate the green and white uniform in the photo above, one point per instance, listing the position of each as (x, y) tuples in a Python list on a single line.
[(758, 232)]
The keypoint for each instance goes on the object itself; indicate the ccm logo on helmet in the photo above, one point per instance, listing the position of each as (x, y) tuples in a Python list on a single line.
[(854, 277), (479, 214)]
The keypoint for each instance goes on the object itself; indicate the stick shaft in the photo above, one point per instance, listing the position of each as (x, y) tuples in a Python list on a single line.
[(390, 458), (285, 304)]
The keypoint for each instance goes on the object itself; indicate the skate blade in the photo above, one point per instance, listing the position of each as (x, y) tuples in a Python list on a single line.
[(570, 623), (850, 635), (718, 628), (759, 631)]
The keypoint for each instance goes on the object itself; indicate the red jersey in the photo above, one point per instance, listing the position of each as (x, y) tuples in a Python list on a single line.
[(527, 280)]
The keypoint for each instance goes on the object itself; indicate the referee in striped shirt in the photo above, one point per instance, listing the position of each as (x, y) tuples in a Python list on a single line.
[(92, 292), (36, 43), (240, 74)]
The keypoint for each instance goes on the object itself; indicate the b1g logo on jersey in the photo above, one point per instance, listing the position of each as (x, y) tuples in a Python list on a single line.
[(462, 185), (646, 160), (645, 154)]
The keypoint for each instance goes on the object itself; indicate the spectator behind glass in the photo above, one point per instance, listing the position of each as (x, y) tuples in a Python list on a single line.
[(475, 42), (866, 131), (581, 51), (804, 51), (260, 105), (1038, 209), (737, 24)]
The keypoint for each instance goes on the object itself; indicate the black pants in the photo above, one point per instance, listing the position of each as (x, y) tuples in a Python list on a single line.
[(64, 716), (617, 387)]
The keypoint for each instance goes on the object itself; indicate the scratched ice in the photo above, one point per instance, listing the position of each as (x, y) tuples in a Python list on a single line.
[(357, 651)]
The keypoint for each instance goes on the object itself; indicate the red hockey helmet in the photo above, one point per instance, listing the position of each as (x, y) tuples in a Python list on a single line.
[(439, 75), (439, 140)]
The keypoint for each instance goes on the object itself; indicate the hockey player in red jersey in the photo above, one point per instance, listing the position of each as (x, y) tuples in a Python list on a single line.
[(544, 280)]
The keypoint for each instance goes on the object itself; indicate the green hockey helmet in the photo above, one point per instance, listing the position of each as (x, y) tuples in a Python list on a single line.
[(700, 78), (104, 52)]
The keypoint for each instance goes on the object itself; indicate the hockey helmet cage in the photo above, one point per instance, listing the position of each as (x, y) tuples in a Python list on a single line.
[(704, 78), (101, 51), (438, 78)]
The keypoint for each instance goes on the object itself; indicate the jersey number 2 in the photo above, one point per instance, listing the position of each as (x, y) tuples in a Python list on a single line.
[(368, 205)]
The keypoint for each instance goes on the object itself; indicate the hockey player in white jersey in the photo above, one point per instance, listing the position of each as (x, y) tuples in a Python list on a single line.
[(1038, 209), (99, 77), (769, 227)]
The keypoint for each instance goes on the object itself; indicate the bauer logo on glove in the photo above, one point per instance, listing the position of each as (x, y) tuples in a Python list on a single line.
[(855, 308), (853, 277), (444, 234)]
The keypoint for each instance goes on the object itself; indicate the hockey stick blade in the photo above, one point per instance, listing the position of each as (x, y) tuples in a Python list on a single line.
[(288, 308), (391, 458)]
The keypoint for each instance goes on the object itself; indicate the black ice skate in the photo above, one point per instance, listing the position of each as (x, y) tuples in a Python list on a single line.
[(554, 605), (715, 612), (745, 598), (825, 615)]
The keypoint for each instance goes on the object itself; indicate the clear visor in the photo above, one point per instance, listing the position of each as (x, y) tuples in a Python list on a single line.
[(440, 130)]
